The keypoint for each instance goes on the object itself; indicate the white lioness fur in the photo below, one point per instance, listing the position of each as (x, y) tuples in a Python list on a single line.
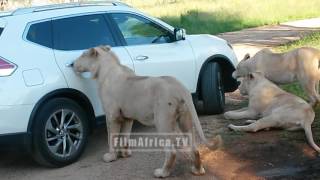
[(273, 107), (300, 64), (160, 101)]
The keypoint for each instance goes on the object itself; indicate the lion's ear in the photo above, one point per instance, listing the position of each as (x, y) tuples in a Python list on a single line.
[(246, 57), (93, 52), (105, 48)]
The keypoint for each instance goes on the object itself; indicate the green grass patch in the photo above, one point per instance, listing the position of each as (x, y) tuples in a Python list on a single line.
[(216, 16), (312, 40)]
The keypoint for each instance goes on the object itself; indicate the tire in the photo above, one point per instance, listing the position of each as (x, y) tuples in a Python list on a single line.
[(212, 90), (48, 138)]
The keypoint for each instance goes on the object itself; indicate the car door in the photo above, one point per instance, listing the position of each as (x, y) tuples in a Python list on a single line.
[(73, 35), (153, 49)]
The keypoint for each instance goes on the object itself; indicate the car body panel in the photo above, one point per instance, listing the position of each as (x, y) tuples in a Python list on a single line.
[(14, 119), (182, 59), (166, 58), (85, 84)]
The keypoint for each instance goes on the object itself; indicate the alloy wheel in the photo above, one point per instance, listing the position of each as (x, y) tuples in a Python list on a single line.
[(63, 133)]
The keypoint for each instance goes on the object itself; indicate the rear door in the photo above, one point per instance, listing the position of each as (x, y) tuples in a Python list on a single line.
[(73, 35), (153, 49)]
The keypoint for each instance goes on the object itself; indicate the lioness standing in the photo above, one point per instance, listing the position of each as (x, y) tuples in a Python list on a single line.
[(273, 107), (159, 101), (301, 64)]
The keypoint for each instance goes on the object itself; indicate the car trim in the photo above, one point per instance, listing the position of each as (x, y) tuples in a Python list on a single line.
[(13, 140)]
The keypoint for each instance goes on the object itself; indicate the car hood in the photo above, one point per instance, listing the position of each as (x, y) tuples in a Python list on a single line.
[(207, 45), (205, 37)]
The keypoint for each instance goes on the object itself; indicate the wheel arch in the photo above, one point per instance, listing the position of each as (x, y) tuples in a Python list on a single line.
[(229, 83), (73, 94)]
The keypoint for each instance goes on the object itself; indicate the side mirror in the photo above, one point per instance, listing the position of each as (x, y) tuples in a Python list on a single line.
[(179, 34)]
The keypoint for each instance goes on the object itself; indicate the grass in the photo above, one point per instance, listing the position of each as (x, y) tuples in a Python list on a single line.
[(312, 40), (216, 16)]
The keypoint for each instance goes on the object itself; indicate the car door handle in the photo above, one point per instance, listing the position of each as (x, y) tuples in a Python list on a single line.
[(69, 64), (141, 58)]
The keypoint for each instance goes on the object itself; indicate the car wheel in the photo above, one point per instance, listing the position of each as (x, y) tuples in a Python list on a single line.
[(212, 90), (60, 133)]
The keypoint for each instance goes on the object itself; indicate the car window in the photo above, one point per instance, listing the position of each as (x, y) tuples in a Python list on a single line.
[(1, 29), (81, 32), (137, 30), (41, 33)]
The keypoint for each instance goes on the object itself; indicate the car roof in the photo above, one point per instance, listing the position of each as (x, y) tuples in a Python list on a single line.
[(55, 10)]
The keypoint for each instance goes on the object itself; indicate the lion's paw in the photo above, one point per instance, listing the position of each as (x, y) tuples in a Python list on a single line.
[(161, 173), (109, 157), (198, 172), (227, 115), (232, 127)]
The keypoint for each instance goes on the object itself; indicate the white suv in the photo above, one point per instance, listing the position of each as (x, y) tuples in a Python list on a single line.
[(50, 110)]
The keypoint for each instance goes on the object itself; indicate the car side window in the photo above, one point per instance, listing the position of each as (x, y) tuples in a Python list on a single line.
[(81, 32), (1, 29), (41, 33), (137, 30)]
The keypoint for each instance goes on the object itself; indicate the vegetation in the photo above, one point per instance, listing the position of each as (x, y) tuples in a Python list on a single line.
[(216, 16)]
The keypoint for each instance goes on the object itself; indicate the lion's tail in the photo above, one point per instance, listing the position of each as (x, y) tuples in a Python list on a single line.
[(308, 132), (217, 141)]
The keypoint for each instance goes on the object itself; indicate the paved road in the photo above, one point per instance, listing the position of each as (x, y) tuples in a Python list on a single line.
[(254, 39)]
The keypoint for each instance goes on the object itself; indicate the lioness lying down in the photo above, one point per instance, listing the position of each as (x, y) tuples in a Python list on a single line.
[(300, 64), (273, 107), (159, 101)]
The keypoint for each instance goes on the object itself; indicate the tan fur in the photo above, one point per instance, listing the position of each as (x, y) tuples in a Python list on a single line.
[(301, 64), (3, 4), (160, 101), (273, 107)]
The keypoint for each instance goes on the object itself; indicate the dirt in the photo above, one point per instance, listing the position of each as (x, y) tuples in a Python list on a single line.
[(273, 154)]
